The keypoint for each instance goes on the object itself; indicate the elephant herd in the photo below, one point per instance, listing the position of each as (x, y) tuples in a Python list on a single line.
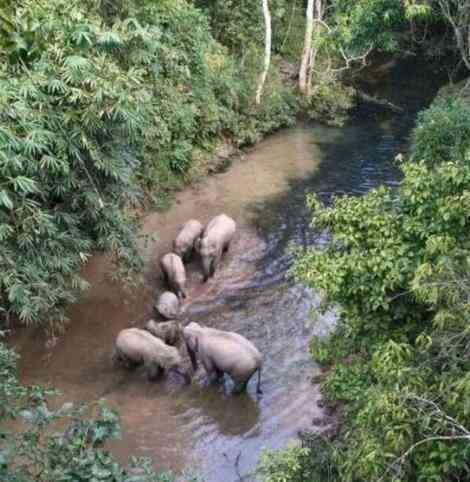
[(157, 346)]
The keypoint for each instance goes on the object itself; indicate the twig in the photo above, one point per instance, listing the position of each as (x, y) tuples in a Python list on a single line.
[(382, 102), (237, 466), (397, 464)]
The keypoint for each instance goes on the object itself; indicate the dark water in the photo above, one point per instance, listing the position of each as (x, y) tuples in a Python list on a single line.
[(204, 426)]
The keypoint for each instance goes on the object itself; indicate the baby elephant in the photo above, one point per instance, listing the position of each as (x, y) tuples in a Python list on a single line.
[(134, 346), (215, 240), (223, 352), (174, 273), (168, 305), (183, 245), (168, 331)]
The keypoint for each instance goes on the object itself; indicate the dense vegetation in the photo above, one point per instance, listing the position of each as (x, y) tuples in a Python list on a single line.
[(100, 105), (397, 367), (397, 268), (107, 105), (398, 364)]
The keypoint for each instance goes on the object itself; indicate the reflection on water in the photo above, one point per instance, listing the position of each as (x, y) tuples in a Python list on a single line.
[(204, 426)]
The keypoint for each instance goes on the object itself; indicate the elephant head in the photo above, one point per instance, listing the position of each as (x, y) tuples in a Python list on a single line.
[(208, 250)]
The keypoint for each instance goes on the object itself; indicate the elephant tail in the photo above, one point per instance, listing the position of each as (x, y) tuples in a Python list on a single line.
[(258, 387)]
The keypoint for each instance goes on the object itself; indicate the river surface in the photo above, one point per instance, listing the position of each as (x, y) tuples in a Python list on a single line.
[(205, 426)]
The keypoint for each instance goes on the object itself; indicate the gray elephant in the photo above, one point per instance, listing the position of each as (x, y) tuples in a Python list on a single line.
[(168, 305), (134, 346), (174, 273), (168, 331), (215, 240), (223, 352), (183, 244)]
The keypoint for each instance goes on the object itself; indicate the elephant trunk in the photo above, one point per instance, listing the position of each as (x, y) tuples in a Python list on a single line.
[(192, 357), (206, 267)]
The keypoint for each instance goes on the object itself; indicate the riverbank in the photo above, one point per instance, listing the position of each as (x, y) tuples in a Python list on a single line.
[(397, 268)]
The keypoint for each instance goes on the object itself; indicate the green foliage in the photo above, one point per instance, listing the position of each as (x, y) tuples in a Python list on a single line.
[(291, 465), (397, 271), (443, 133), (69, 115), (331, 100), (64, 444), (362, 24), (239, 24), (310, 462)]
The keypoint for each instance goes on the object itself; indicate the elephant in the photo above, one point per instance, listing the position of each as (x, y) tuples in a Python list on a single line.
[(168, 305), (214, 241), (183, 245), (174, 273), (134, 346), (168, 331), (223, 352)]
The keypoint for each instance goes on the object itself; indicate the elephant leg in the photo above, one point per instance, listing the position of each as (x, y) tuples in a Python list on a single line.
[(187, 256), (154, 372), (241, 384), (226, 247), (210, 368), (218, 376), (240, 387), (214, 264), (127, 362), (131, 364)]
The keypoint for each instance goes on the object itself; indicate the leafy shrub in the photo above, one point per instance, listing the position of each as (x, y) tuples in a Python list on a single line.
[(331, 100), (290, 465), (443, 133)]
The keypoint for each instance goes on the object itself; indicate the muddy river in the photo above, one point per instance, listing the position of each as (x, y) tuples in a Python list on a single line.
[(200, 426)]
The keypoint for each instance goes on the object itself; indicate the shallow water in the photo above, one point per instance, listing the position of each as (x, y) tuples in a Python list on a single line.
[(204, 426)]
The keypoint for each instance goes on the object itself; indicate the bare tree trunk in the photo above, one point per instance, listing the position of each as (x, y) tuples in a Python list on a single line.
[(307, 52), (267, 51), (318, 15)]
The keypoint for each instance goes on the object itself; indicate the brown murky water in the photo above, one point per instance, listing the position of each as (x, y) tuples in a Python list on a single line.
[(204, 426)]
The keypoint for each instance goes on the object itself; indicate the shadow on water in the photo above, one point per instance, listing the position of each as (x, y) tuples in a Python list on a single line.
[(205, 426)]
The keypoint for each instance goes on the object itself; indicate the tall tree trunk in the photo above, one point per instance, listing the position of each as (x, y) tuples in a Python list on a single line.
[(267, 51), (318, 15), (307, 52)]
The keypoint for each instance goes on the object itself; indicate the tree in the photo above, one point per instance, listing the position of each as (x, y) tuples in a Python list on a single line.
[(314, 13), (307, 51), (267, 51), (457, 13)]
